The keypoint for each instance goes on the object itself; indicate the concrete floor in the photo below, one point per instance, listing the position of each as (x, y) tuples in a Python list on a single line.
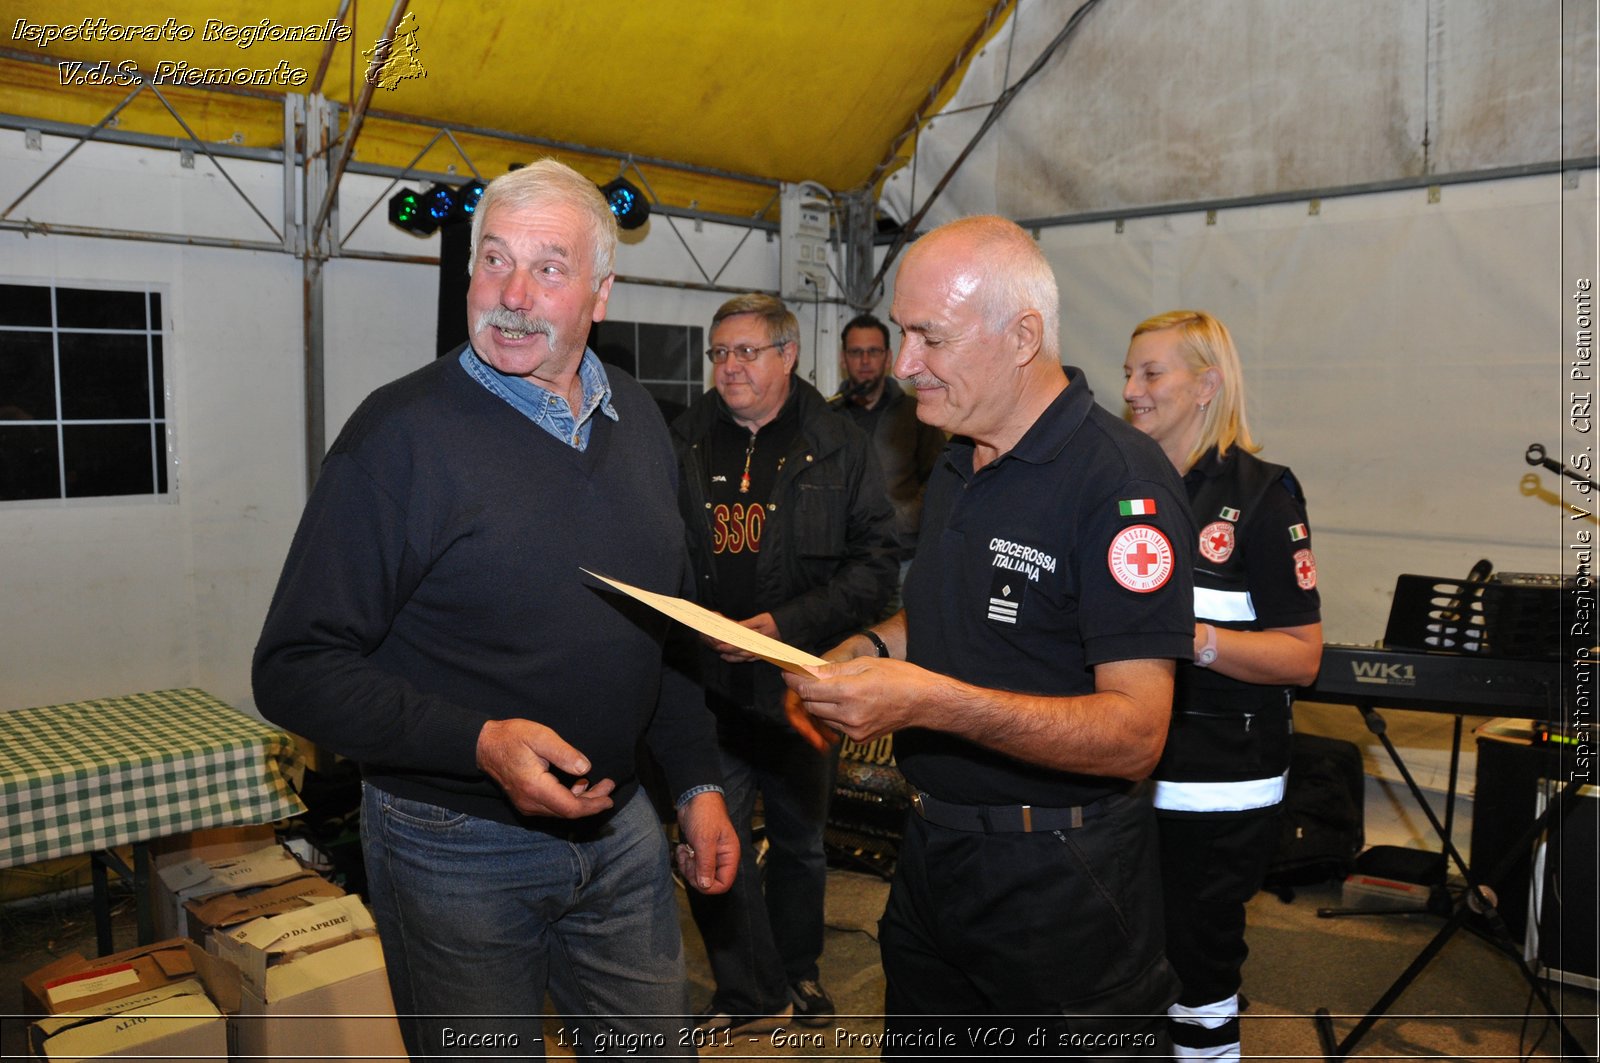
[(1470, 1003)]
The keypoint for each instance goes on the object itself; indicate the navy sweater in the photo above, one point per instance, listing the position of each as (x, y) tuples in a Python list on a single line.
[(434, 584)]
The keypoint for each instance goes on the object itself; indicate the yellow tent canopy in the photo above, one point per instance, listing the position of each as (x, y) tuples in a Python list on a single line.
[(714, 100)]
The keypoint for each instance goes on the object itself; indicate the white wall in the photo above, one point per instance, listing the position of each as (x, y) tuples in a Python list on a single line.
[(1163, 102), (103, 597), (116, 596), (1400, 355)]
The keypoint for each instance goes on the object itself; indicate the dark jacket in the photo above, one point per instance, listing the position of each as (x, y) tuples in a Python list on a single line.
[(907, 450), (828, 550)]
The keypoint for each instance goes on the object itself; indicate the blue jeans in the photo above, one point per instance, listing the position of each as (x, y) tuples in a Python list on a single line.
[(479, 919), (759, 941)]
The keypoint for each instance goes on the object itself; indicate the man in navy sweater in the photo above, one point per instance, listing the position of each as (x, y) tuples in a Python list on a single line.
[(432, 624)]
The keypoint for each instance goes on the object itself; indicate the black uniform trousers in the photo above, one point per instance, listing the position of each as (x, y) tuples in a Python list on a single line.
[(1211, 864), (1045, 943)]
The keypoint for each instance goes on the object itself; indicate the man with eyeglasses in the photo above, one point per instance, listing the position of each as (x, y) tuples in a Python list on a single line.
[(879, 406), (791, 534)]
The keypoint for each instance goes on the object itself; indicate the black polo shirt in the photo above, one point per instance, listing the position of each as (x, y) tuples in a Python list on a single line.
[(1074, 549)]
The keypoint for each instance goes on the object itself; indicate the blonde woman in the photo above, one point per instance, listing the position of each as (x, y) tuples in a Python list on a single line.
[(1258, 634)]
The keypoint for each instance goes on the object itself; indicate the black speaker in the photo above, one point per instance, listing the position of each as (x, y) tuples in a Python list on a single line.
[(455, 249), (1502, 807), (1513, 787), (1566, 938)]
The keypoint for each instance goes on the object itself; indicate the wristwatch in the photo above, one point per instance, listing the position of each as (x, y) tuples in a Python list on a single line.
[(1208, 653)]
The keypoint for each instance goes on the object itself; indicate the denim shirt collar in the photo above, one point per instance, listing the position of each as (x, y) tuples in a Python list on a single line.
[(545, 408)]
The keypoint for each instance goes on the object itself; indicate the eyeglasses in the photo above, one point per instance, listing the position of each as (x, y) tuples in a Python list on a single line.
[(874, 353), (718, 355)]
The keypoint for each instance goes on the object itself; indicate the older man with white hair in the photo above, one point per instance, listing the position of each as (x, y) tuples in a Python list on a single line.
[(432, 623), (1027, 681)]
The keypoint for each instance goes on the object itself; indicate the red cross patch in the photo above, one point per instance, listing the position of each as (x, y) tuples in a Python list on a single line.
[(1305, 570), (1216, 541), (1140, 558)]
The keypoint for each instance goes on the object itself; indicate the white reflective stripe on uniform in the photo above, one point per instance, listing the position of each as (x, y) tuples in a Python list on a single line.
[(1209, 1016), (1219, 796), (1230, 1051), (1223, 605)]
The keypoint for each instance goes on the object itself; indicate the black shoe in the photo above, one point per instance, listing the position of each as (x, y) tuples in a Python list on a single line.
[(812, 1004), (719, 1021)]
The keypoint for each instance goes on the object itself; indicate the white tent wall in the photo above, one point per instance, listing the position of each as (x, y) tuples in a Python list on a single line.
[(101, 597), (1152, 102), (1401, 356)]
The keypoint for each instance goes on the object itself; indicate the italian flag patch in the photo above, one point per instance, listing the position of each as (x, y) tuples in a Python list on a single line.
[(1229, 513), (1297, 532), (1137, 507)]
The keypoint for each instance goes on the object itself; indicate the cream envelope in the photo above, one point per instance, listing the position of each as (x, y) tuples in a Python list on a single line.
[(719, 627)]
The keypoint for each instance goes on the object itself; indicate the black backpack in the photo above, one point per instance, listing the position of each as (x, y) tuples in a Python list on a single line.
[(1322, 824)]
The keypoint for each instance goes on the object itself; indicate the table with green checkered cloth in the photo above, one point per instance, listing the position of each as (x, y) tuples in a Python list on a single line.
[(96, 774)]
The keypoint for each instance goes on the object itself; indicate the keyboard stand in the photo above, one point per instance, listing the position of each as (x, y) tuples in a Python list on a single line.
[(1476, 901)]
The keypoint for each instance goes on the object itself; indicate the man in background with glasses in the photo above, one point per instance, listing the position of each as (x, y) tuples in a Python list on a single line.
[(879, 406), (790, 533)]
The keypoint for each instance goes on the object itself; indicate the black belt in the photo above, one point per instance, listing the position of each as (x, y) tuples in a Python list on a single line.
[(1007, 819)]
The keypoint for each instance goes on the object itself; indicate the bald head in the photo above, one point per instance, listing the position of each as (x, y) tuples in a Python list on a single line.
[(977, 304), (1005, 270)]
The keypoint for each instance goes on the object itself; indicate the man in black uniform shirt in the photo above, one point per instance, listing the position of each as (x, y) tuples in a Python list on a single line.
[(1028, 679)]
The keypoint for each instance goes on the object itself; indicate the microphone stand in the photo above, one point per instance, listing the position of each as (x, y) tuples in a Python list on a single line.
[(1536, 456)]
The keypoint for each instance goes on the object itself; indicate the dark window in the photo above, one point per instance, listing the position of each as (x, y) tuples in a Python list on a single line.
[(25, 304), (666, 359), (27, 376), (82, 402)]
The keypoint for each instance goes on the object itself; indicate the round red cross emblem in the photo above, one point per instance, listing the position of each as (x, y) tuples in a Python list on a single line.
[(1140, 558), (1216, 541), (1305, 569)]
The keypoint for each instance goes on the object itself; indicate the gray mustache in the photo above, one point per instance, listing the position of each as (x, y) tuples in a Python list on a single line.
[(501, 318)]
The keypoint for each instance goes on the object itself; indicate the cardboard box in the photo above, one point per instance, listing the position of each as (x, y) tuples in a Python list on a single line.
[(224, 911), (165, 1000), (312, 983), (175, 1022), (206, 845), (74, 983), (190, 878), (266, 866)]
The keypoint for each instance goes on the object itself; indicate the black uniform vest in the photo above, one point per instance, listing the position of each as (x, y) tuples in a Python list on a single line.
[(1224, 730)]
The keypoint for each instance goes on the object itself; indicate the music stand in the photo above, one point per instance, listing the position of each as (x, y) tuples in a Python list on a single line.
[(1433, 614)]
